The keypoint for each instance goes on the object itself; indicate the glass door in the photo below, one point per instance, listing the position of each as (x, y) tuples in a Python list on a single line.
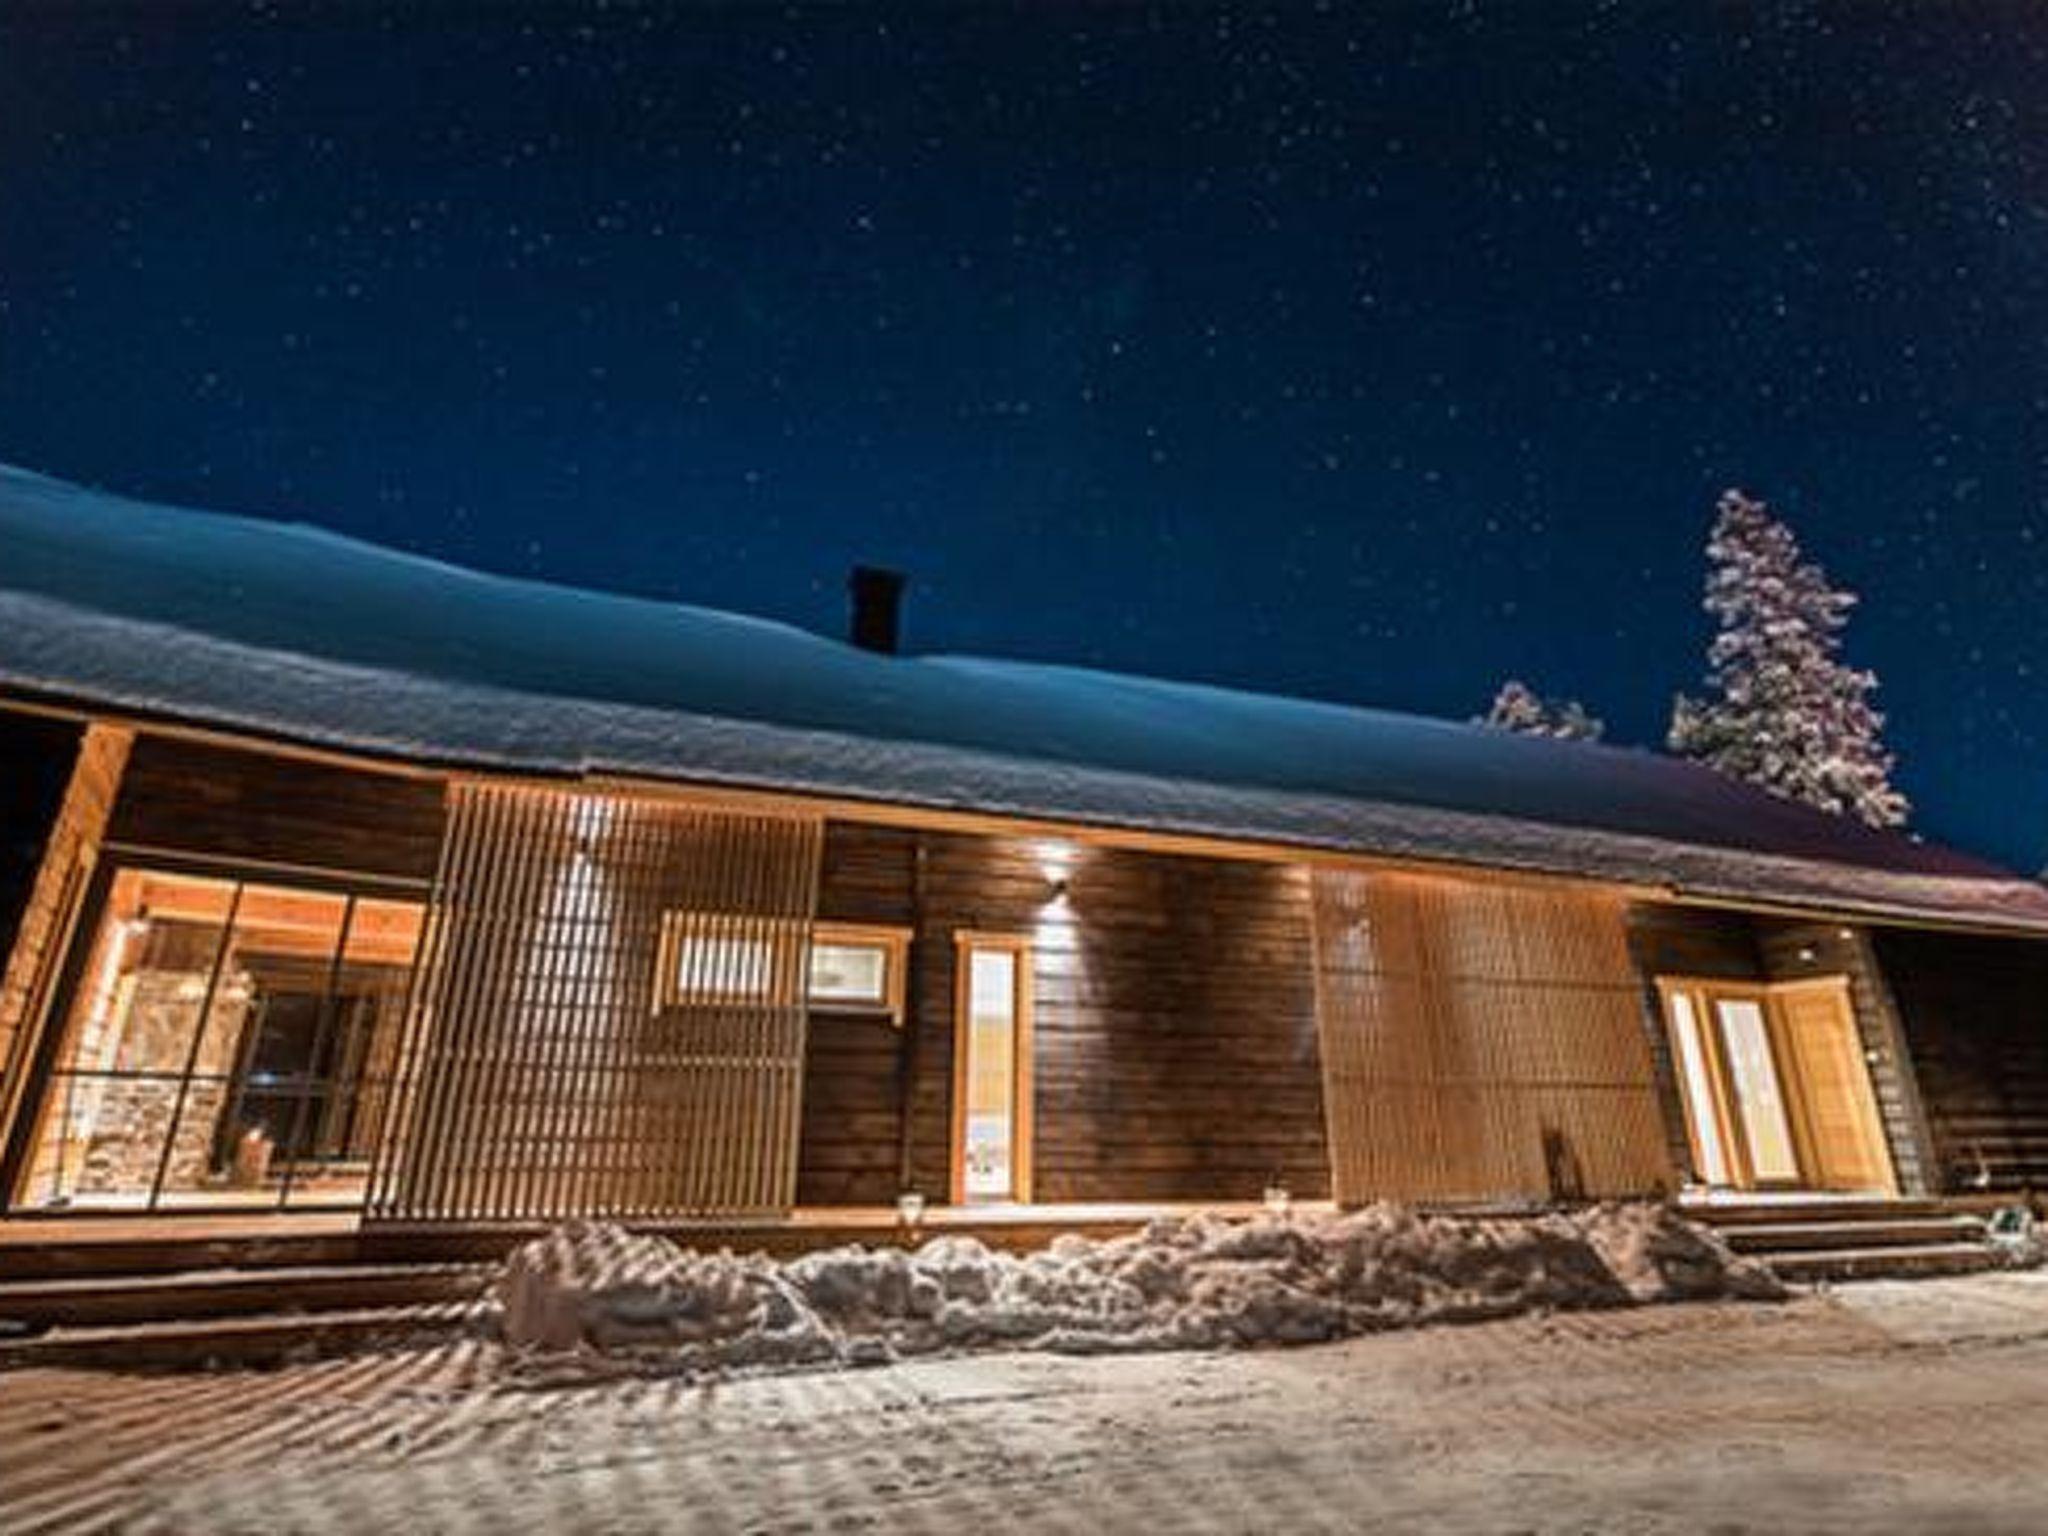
[(1758, 1091), (1700, 1090), (1738, 1110), (992, 1070)]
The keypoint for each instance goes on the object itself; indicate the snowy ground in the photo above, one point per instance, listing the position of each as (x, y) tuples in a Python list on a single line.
[(1883, 1407)]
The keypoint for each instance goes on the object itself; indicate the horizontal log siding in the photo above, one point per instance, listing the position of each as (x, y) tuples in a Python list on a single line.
[(855, 1064), (1174, 1024), (1974, 1012), (1795, 950), (1482, 1041), (1175, 1018), (227, 803), (1669, 940)]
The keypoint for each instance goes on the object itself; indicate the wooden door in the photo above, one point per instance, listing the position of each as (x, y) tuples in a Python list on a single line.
[(1755, 1075), (1732, 1078), (1844, 1135)]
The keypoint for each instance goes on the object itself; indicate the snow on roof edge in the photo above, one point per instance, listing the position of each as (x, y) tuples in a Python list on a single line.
[(77, 655), (295, 589)]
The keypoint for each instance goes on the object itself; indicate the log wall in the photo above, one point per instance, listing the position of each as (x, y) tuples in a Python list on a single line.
[(1482, 1042), (1177, 1050), (223, 803), (1974, 1012), (857, 1066), (1174, 1026), (1671, 940)]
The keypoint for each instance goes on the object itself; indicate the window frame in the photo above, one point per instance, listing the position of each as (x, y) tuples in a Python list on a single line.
[(966, 942), (772, 988), (50, 1024), (779, 984), (893, 942)]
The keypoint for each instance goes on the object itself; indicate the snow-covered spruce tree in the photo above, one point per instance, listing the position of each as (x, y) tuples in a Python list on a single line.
[(1518, 707), (1784, 712)]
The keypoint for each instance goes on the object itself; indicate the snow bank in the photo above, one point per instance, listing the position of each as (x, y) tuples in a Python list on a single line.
[(1183, 1283)]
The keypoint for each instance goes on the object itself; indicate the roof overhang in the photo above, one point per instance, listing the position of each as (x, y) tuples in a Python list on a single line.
[(204, 683)]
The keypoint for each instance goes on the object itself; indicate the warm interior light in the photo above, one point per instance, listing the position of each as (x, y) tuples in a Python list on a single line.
[(991, 1075), (850, 973), (591, 818)]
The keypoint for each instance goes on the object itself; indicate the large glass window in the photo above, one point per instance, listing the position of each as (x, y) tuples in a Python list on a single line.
[(228, 1044)]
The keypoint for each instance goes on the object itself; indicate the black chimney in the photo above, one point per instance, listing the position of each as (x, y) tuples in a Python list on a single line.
[(877, 603)]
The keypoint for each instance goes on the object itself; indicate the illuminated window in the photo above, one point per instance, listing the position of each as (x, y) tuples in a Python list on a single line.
[(992, 1069), (226, 1044), (1696, 1073), (859, 969), (715, 957), (709, 957)]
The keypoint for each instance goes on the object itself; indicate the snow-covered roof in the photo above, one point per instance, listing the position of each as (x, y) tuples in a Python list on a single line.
[(297, 633)]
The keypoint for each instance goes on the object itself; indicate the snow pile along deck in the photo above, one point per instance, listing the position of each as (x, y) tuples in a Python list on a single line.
[(1183, 1283)]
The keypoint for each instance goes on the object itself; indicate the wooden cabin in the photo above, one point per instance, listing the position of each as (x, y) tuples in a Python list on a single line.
[(343, 883)]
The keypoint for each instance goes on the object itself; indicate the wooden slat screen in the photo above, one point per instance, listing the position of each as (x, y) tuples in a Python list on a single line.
[(608, 1018), (1481, 1041)]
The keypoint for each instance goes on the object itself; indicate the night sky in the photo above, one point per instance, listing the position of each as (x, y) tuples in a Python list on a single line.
[(1369, 353)]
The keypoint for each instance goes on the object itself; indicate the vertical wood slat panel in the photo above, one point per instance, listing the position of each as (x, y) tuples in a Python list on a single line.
[(609, 1017), (1481, 1041)]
